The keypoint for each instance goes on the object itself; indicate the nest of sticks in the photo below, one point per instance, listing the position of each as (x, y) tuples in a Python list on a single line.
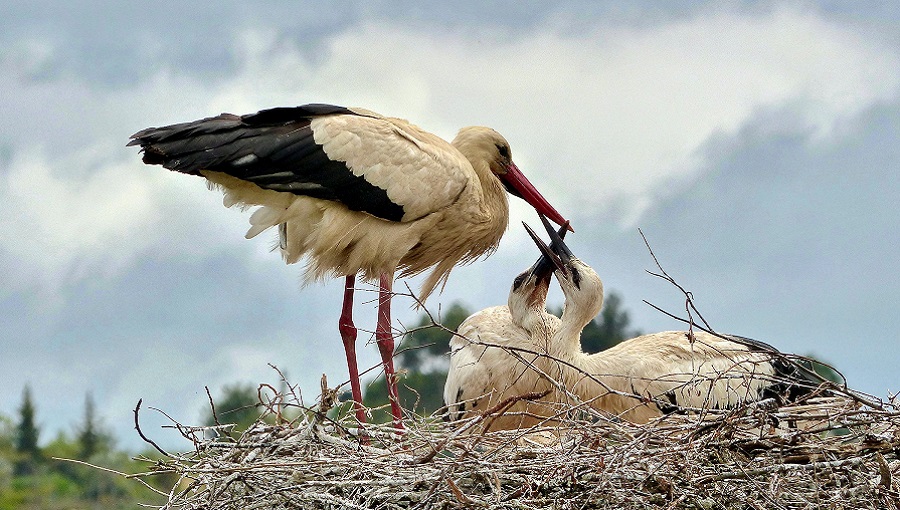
[(836, 448), (826, 452)]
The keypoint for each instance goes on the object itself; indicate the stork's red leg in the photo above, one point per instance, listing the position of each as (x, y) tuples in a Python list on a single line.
[(386, 345), (348, 335)]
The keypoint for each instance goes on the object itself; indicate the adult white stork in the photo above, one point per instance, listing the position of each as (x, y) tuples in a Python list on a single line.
[(492, 354), (355, 192), (643, 377)]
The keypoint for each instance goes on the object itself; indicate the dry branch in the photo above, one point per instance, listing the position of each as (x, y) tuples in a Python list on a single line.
[(721, 459), (836, 451)]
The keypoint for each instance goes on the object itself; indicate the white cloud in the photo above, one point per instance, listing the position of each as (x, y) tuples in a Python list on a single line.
[(89, 214), (618, 111), (62, 227), (600, 118)]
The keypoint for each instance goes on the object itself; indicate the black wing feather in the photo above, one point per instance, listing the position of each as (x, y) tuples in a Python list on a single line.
[(273, 149), (793, 375)]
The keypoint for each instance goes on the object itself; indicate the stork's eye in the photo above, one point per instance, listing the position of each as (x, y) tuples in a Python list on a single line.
[(504, 151), (519, 281)]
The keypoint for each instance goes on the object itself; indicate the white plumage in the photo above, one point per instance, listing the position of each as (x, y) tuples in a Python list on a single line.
[(492, 355), (636, 380), (670, 371)]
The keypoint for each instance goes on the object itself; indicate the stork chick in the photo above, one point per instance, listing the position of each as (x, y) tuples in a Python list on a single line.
[(494, 353), (641, 378)]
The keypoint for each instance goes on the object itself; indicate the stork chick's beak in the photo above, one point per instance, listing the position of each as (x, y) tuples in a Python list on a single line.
[(548, 261), (516, 184), (557, 244)]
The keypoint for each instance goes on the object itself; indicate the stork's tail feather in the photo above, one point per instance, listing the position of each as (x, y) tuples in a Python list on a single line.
[(803, 380), (229, 141), (192, 146), (794, 377)]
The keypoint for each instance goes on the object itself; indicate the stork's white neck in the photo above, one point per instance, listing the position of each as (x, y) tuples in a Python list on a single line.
[(583, 303)]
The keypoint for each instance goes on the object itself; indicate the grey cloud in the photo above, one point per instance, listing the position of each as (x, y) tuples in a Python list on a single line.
[(780, 236), (787, 239)]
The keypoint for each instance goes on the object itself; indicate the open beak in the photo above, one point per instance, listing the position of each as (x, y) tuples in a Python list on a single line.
[(557, 244), (549, 261), (516, 184)]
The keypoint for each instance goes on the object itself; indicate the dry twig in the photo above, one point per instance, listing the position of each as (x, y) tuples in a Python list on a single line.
[(824, 452)]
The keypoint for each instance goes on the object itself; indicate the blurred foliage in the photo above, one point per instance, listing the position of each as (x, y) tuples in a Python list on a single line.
[(238, 405), (90, 434), (421, 363), (825, 370), (28, 454), (427, 343), (422, 393), (32, 477)]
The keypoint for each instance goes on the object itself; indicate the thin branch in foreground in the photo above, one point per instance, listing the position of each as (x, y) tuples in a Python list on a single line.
[(689, 297), (212, 406), (137, 427), (135, 476)]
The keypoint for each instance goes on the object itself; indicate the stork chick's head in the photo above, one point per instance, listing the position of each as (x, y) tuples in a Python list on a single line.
[(580, 284), (483, 146), (528, 294), (529, 289)]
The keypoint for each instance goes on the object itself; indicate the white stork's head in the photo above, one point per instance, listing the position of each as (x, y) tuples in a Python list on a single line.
[(486, 148), (480, 143)]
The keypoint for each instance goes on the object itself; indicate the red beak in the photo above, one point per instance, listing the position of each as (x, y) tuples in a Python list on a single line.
[(516, 184)]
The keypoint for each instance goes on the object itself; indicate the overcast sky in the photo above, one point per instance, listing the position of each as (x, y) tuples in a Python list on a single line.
[(756, 146)]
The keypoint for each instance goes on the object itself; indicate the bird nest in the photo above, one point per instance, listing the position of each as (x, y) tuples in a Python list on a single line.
[(827, 452)]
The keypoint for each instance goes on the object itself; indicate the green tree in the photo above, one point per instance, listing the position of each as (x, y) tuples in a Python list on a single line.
[(92, 438), (7, 452), (611, 327), (31, 478), (238, 405), (428, 343), (26, 441), (421, 360), (7, 436)]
